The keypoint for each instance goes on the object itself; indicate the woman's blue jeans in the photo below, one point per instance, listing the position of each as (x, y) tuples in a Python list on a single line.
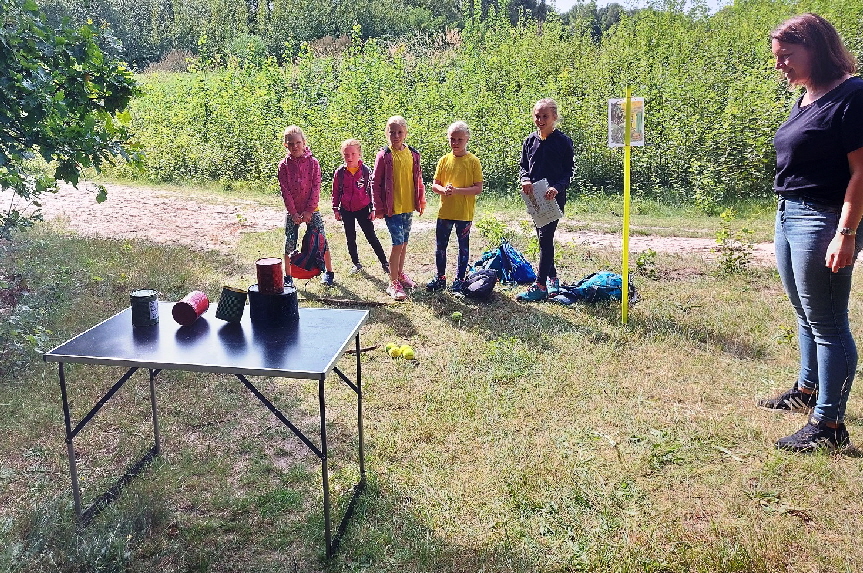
[(828, 354)]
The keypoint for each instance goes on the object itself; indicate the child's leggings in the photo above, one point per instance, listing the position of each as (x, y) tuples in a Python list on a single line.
[(546, 252), (349, 218), (442, 233)]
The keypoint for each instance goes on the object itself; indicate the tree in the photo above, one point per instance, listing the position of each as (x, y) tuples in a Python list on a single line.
[(61, 99)]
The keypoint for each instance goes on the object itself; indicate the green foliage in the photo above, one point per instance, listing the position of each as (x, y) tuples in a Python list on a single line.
[(145, 31), (733, 246), (713, 101), (645, 264), (493, 230), (61, 99), (54, 541)]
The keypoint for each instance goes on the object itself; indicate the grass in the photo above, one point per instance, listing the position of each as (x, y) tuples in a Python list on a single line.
[(523, 439)]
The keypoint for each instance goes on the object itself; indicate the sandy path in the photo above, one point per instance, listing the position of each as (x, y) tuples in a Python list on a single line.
[(169, 217)]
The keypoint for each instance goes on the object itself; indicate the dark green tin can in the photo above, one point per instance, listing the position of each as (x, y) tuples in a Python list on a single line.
[(145, 307)]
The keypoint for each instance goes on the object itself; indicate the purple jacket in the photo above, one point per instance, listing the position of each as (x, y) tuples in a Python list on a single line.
[(382, 182), (352, 191), (300, 181)]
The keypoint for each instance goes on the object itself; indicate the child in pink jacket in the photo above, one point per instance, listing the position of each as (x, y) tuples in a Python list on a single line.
[(300, 180)]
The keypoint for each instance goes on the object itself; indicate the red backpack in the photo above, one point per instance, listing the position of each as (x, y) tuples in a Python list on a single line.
[(309, 261)]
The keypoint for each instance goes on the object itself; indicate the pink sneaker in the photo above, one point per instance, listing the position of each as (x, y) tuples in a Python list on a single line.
[(396, 291), (406, 281)]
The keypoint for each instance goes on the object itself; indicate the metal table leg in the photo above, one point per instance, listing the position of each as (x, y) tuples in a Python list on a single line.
[(70, 447), (325, 474), (84, 516)]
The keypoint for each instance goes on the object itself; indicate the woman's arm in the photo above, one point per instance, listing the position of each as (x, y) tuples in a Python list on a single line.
[(841, 250)]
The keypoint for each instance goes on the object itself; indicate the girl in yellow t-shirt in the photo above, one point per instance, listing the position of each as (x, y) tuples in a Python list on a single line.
[(458, 181), (398, 190)]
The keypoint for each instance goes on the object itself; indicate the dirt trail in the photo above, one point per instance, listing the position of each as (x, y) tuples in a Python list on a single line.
[(169, 217)]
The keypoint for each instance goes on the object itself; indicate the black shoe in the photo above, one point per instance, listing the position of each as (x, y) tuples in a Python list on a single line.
[(436, 284), (815, 436), (793, 400), (327, 281), (386, 267)]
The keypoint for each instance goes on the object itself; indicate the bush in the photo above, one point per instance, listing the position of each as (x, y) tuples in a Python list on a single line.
[(712, 100)]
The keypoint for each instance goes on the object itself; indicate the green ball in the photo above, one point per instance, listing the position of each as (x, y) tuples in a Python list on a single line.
[(456, 315)]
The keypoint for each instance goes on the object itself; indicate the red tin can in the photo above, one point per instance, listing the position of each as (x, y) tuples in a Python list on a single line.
[(191, 307), (271, 276)]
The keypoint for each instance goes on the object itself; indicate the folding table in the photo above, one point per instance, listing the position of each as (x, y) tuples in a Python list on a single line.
[(307, 349)]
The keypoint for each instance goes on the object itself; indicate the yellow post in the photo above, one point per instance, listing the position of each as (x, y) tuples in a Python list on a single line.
[(624, 307)]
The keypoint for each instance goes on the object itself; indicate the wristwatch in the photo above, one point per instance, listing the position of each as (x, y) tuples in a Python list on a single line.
[(846, 231)]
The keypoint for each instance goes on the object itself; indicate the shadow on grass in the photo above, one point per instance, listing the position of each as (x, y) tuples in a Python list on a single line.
[(113, 492), (387, 528), (653, 326)]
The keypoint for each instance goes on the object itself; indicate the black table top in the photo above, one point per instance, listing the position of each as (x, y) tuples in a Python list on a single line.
[(307, 349)]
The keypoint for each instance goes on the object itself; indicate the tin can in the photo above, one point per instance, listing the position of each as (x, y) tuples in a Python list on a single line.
[(273, 310), (271, 276), (145, 307), (232, 303), (190, 308)]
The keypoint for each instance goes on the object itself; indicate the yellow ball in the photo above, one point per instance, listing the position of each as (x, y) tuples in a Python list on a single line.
[(395, 351), (456, 315), (389, 347), (408, 353)]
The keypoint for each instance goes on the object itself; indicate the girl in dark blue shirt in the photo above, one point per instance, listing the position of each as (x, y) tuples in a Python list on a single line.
[(546, 154)]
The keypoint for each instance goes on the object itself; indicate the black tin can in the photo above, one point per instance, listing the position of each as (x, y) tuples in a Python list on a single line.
[(273, 310), (145, 307)]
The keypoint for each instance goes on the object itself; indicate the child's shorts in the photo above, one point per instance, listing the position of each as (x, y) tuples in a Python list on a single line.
[(400, 227), (292, 230)]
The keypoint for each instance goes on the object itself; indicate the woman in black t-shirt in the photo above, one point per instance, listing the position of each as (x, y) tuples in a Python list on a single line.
[(819, 183)]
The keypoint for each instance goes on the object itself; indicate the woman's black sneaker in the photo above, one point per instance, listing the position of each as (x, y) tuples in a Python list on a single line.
[(793, 400), (816, 436)]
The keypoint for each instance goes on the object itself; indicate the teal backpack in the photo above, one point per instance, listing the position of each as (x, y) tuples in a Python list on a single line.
[(596, 287)]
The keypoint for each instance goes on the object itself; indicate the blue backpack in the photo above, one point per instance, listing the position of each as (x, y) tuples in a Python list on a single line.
[(596, 287), (509, 263)]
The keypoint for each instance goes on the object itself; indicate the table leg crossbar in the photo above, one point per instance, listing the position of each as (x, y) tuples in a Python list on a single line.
[(102, 500), (332, 542), (278, 414)]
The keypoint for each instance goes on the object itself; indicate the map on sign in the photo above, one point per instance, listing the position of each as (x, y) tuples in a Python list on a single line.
[(616, 124), (543, 211)]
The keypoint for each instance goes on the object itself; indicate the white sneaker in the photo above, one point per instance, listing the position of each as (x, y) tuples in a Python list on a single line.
[(396, 291)]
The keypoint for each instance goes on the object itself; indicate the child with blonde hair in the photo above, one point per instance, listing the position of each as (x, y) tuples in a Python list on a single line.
[(458, 181), (398, 191), (353, 202), (546, 154), (299, 177)]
